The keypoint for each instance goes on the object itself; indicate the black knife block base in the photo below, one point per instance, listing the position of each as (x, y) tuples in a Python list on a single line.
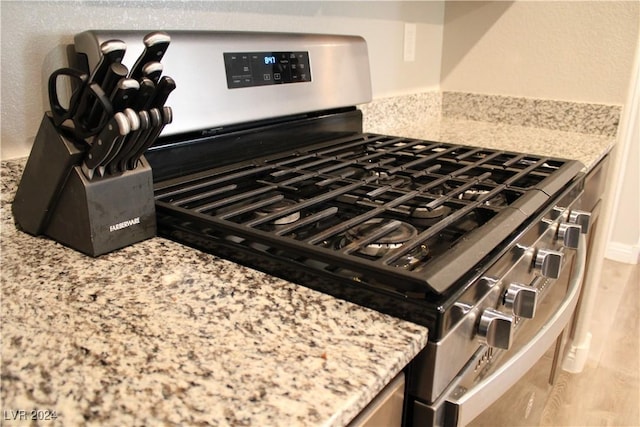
[(94, 216), (101, 215), (49, 164)]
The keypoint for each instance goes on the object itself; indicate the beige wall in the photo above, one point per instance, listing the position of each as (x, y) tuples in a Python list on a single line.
[(573, 50), (34, 35), (624, 240), (578, 51)]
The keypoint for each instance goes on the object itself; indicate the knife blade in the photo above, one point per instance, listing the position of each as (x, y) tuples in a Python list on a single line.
[(156, 44), (152, 71), (134, 125), (124, 94), (167, 117), (102, 144), (112, 51), (165, 86)]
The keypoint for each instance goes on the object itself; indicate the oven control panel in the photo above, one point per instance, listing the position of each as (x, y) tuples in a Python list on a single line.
[(247, 69), (230, 77)]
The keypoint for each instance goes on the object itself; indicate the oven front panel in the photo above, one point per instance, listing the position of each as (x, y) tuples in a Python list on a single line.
[(447, 372)]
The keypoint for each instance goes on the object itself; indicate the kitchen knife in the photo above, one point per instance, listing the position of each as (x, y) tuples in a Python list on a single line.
[(118, 163), (102, 144), (145, 95), (115, 72), (167, 117), (156, 45), (129, 162), (152, 71), (134, 125), (112, 52), (124, 94), (165, 86)]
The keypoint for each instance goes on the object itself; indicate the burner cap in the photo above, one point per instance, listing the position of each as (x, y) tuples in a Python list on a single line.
[(384, 178), (391, 240), (422, 212), (474, 194), (280, 206)]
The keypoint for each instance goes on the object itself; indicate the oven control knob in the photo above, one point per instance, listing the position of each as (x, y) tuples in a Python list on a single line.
[(548, 263), (569, 234), (522, 300), (495, 328), (580, 218)]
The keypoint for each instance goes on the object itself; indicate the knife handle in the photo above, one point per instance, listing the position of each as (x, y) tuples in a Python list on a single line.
[(156, 45), (145, 95), (103, 143), (134, 125), (137, 150), (117, 163), (166, 85), (124, 94), (166, 118), (95, 112), (112, 51), (92, 95), (116, 72), (152, 71)]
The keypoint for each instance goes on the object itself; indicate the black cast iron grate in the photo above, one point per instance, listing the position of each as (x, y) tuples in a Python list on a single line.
[(424, 212)]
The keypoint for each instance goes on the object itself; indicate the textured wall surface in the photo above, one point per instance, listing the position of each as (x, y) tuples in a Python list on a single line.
[(624, 242), (566, 50), (35, 36)]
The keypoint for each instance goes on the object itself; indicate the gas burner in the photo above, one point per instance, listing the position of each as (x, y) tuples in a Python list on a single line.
[(280, 206), (397, 234), (473, 194), (393, 239), (424, 216), (397, 181)]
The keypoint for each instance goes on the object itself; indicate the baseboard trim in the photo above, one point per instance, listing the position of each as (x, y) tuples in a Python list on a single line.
[(619, 252), (576, 358)]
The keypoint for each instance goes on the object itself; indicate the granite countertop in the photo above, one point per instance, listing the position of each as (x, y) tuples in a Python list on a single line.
[(589, 149), (161, 334)]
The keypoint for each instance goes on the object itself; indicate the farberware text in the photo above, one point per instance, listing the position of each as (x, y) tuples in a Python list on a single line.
[(124, 224)]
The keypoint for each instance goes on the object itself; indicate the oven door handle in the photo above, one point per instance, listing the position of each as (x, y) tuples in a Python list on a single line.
[(461, 410)]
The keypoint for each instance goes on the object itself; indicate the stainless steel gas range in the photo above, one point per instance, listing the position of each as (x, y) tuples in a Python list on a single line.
[(266, 164)]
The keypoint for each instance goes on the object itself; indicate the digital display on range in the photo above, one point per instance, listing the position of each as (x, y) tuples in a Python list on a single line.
[(246, 69)]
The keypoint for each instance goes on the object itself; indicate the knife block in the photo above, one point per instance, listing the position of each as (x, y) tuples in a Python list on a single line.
[(97, 216)]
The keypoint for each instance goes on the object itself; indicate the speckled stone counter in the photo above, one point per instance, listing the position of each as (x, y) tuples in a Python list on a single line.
[(160, 334), (584, 132), (586, 148)]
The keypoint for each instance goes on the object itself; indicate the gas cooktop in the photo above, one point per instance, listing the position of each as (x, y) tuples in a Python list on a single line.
[(406, 214)]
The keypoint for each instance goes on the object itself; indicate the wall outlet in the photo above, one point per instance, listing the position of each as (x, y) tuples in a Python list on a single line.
[(409, 42)]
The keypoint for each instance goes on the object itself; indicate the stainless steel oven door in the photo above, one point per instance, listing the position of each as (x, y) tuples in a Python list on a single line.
[(462, 404)]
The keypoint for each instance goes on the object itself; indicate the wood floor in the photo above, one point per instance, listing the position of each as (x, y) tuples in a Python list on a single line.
[(607, 391)]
